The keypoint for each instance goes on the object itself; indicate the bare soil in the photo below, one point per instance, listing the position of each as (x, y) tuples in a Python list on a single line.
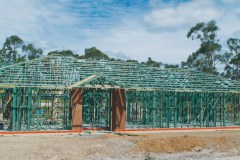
[(162, 145)]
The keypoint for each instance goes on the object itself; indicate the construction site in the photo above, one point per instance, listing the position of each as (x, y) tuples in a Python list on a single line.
[(55, 94), (63, 93)]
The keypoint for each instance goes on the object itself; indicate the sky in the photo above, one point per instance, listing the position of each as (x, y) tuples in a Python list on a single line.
[(127, 29)]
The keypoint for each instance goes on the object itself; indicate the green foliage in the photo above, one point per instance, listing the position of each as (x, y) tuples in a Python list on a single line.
[(64, 53), (10, 50), (232, 60), (14, 50), (152, 63), (171, 66), (205, 58), (90, 53), (31, 51), (131, 60), (148, 157), (112, 59), (95, 54)]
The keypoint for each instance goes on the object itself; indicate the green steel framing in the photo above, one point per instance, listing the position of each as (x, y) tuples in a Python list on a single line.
[(164, 109), (36, 95), (96, 108)]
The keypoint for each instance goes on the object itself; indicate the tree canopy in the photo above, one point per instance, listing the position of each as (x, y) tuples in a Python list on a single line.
[(14, 50), (10, 50), (152, 63), (31, 51), (232, 60), (64, 53), (95, 54), (206, 57)]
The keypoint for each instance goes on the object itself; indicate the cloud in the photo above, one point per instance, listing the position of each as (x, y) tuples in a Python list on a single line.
[(32, 20), (44, 45), (140, 44), (137, 29), (181, 15)]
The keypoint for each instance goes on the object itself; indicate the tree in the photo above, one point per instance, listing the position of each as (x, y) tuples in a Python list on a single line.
[(232, 62), (31, 52), (90, 53), (11, 50), (171, 66), (95, 54), (206, 57), (132, 60), (152, 63), (14, 50), (68, 53)]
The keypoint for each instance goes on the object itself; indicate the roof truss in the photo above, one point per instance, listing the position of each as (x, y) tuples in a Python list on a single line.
[(65, 72)]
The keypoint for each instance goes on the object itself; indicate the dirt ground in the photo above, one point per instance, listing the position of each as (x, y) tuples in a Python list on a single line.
[(203, 145)]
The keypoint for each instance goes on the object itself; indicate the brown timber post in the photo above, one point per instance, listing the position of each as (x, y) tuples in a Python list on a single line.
[(118, 111), (77, 105)]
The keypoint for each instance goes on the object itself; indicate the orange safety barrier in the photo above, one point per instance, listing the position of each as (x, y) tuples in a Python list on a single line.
[(178, 129), (125, 130), (39, 132)]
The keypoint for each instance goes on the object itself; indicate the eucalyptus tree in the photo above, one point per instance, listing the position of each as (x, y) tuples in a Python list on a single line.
[(232, 67), (11, 49), (207, 55)]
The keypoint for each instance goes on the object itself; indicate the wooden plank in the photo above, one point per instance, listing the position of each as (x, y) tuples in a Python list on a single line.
[(118, 101), (77, 105)]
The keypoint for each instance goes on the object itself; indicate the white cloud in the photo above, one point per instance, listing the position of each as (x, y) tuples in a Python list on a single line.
[(44, 45), (33, 20), (50, 26), (184, 14), (140, 44)]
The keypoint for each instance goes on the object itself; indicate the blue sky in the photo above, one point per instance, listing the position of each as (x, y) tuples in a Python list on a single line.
[(136, 29)]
